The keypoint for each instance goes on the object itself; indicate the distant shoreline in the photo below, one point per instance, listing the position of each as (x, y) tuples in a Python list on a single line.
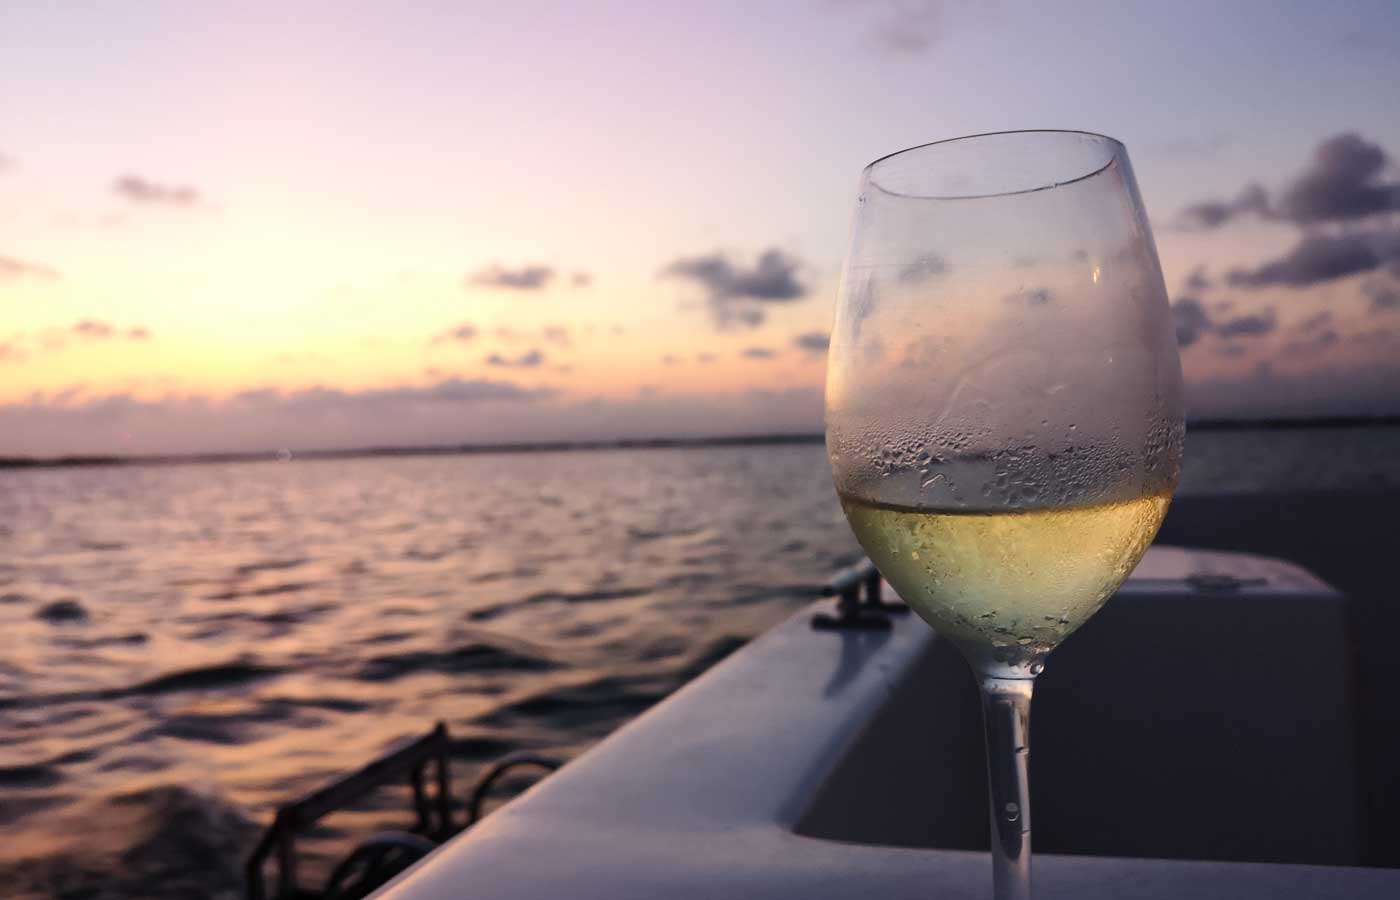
[(756, 440)]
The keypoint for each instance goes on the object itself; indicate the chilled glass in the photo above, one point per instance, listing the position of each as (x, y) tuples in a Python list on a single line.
[(1003, 408)]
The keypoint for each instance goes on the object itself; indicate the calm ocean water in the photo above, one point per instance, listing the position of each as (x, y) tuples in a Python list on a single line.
[(186, 647)]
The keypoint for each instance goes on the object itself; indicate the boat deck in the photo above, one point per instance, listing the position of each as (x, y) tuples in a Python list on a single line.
[(742, 783)]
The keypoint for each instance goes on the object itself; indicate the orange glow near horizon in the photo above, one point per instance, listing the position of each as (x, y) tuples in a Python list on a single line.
[(219, 324)]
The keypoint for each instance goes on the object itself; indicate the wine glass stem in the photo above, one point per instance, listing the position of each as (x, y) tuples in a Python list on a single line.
[(1006, 714)]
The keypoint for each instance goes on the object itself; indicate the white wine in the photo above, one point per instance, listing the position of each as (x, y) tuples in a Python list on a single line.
[(1007, 586)]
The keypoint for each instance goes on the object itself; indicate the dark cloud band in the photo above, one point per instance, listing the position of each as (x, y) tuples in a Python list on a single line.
[(531, 359), (736, 293), (144, 191), (533, 277)]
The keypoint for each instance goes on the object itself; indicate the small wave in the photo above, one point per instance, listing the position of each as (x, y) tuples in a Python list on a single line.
[(474, 657), (332, 704), (289, 587), (33, 776), (720, 560), (402, 609), (580, 630), (269, 565), (586, 596), (295, 616), (646, 535), (202, 678), (19, 806), (228, 730), (417, 555), (218, 618), (61, 717), (191, 582), (688, 582), (386, 637), (134, 762), (133, 639), (74, 757), (236, 720), (662, 648), (102, 546), (62, 611), (491, 612)]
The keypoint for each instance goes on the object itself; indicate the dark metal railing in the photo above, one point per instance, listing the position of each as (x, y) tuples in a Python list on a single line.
[(412, 761), (489, 778), (386, 854)]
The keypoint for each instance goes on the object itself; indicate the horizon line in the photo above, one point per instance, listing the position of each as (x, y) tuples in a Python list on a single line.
[(650, 443)]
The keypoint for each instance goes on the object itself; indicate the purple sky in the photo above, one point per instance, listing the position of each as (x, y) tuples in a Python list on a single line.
[(307, 225)]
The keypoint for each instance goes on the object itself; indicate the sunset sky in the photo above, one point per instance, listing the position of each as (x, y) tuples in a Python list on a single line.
[(263, 225)]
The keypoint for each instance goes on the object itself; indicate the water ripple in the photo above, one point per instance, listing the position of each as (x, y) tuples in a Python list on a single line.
[(191, 645)]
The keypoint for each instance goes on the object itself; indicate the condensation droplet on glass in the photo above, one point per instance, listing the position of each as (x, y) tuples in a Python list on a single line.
[(1013, 812)]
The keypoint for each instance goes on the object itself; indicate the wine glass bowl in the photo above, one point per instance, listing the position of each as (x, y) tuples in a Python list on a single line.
[(1003, 404)]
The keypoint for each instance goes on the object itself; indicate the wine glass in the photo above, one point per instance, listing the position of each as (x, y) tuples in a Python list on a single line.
[(1003, 408)]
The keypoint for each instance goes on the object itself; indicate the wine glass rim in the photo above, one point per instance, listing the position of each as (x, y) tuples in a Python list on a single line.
[(1120, 149)]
